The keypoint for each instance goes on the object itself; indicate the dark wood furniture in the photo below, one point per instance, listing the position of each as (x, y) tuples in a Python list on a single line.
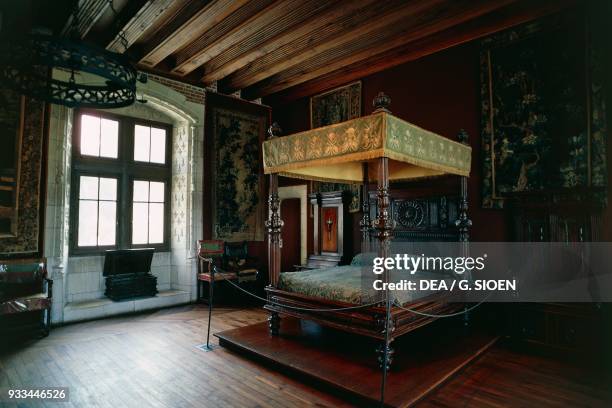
[(25, 288), (128, 273), (558, 216), (331, 232), (236, 259), (419, 218), (220, 261), (369, 321), (210, 252)]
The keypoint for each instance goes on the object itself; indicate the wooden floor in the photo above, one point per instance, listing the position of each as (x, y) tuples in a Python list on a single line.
[(150, 360)]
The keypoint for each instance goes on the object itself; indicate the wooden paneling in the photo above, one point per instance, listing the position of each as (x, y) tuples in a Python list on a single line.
[(191, 56), (266, 23), (343, 25), (501, 19), (332, 19), (185, 28), (389, 33)]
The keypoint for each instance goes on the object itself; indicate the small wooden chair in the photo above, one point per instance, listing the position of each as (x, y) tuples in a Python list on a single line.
[(210, 253)]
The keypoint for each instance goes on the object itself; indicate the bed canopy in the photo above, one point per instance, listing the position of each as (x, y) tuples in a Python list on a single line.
[(336, 152)]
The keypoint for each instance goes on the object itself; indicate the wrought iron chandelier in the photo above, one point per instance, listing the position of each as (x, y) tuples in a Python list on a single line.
[(26, 67)]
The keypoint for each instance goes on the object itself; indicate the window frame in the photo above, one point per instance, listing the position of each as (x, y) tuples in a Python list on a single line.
[(167, 188), (126, 170)]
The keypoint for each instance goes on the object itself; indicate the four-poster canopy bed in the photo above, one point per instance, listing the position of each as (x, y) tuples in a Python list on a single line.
[(379, 147)]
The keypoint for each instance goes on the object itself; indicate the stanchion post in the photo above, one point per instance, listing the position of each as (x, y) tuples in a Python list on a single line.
[(211, 285)]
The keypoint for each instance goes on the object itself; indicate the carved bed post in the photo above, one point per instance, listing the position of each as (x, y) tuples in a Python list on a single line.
[(365, 222), (274, 225), (463, 222), (383, 224)]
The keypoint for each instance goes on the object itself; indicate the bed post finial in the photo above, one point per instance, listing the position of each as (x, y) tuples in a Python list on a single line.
[(381, 103), (463, 137), (463, 223), (274, 130)]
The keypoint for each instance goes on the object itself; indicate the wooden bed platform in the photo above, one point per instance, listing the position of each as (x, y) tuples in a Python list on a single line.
[(335, 361)]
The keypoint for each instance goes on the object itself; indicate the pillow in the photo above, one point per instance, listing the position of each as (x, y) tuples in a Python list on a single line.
[(362, 259)]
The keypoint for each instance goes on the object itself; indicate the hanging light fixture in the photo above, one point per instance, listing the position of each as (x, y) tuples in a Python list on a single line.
[(26, 65)]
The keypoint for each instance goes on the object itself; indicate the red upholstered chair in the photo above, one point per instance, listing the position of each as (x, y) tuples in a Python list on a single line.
[(210, 258)]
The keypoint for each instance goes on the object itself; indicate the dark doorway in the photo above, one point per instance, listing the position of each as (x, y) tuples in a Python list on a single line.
[(290, 253)]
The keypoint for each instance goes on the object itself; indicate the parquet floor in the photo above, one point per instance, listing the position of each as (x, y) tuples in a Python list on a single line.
[(150, 360)]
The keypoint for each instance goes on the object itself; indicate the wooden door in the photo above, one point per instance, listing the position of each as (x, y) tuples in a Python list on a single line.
[(290, 252)]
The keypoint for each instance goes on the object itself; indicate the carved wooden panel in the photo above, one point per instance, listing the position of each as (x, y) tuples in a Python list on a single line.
[(564, 216), (329, 229), (421, 218), (332, 229)]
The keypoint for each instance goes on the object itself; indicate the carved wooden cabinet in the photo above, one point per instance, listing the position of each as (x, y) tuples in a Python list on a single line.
[(558, 216), (332, 229)]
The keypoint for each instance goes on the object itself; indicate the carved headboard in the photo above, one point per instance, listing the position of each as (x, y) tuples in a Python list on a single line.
[(419, 219)]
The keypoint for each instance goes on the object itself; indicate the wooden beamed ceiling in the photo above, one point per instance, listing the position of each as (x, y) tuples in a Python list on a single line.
[(291, 48)]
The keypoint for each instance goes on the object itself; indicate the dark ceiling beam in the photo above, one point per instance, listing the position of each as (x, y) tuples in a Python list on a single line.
[(135, 19), (374, 42), (89, 12), (499, 20), (185, 59), (328, 22), (263, 24), (187, 26), (181, 11)]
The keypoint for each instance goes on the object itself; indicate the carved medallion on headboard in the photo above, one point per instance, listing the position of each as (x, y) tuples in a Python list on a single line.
[(410, 213), (421, 219)]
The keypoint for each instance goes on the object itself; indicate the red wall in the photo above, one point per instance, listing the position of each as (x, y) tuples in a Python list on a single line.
[(440, 93)]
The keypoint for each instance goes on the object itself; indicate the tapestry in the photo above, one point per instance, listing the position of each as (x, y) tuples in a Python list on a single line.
[(336, 106), (20, 175), (238, 213), (331, 107), (543, 118)]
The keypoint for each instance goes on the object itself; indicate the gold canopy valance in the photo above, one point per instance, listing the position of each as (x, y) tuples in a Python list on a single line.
[(335, 152)]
